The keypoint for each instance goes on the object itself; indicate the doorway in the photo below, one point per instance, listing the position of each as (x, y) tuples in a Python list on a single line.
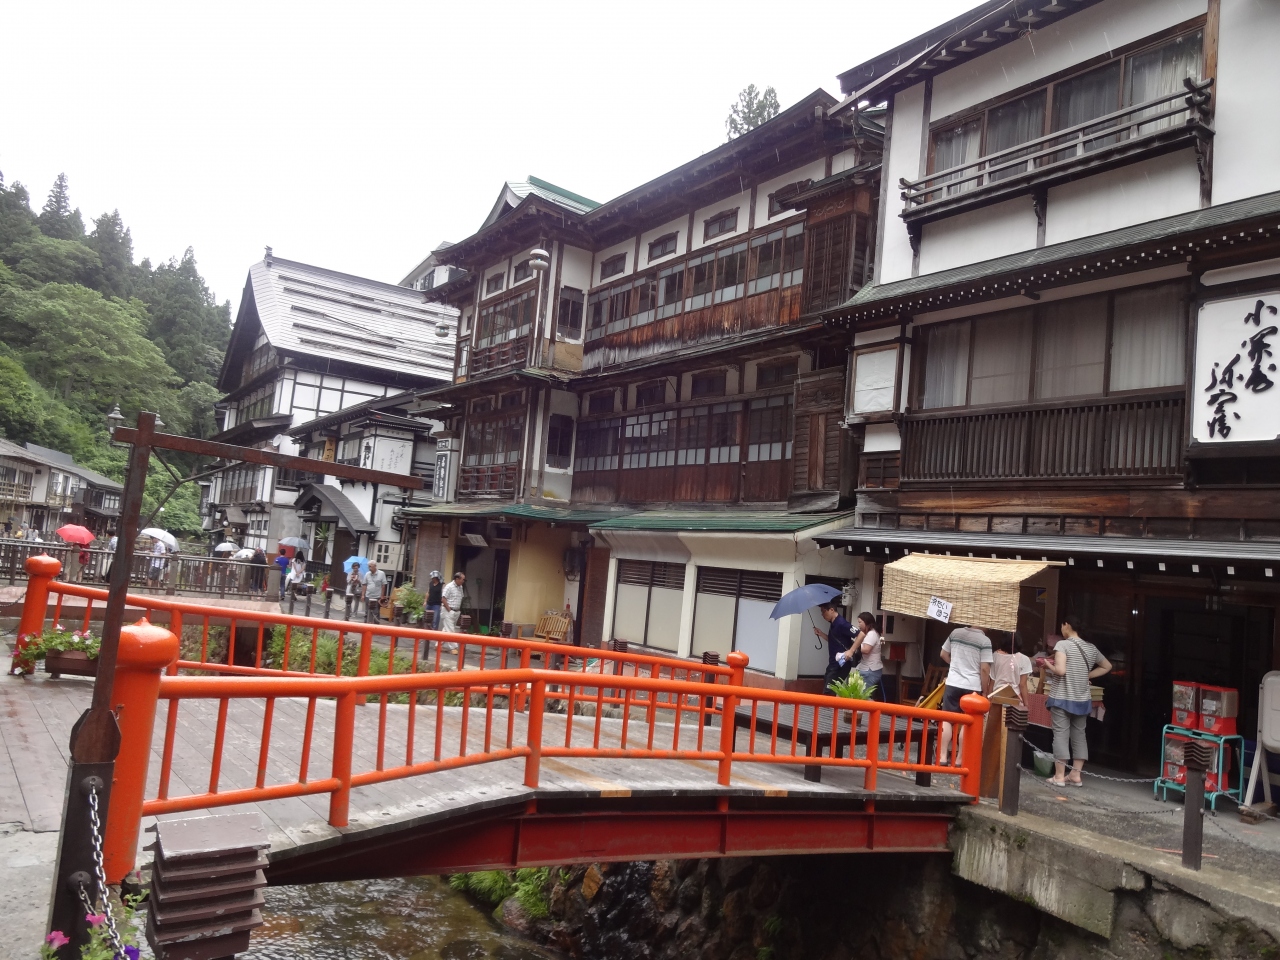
[(487, 570), (344, 546)]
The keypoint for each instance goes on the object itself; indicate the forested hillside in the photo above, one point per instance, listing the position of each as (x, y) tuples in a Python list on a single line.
[(83, 327)]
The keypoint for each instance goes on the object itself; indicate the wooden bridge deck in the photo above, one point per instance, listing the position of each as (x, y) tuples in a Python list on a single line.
[(38, 713)]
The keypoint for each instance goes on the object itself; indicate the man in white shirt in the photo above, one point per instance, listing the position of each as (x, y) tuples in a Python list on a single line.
[(375, 584), (968, 652), (451, 603)]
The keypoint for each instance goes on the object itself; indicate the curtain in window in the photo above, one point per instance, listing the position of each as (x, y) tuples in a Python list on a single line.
[(1160, 72), (1147, 339), (1072, 349), (1001, 358), (1012, 124), (1082, 98), (946, 368), (873, 378), (957, 146)]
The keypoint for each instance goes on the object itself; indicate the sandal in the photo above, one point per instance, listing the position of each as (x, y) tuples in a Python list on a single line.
[(1074, 783), (1055, 782)]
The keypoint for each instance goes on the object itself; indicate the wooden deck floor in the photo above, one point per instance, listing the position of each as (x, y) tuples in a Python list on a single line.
[(38, 713)]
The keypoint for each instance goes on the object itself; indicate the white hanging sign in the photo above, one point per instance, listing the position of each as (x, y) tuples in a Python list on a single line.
[(1236, 391), (939, 609)]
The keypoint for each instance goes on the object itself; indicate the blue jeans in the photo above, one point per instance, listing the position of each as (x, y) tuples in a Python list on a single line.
[(435, 615), (873, 678)]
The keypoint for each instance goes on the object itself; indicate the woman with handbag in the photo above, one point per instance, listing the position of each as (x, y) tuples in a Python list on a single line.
[(1075, 662)]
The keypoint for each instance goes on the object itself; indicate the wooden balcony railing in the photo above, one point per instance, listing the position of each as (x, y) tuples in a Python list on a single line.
[(1101, 439), (500, 356), (488, 481), (1144, 129), (11, 492)]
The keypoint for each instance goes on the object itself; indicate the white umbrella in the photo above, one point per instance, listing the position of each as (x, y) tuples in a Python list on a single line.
[(296, 542), (242, 553), (164, 536), (227, 547)]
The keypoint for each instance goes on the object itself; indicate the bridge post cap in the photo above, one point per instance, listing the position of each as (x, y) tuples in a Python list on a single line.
[(738, 659), (145, 646), (43, 565), (975, 704)]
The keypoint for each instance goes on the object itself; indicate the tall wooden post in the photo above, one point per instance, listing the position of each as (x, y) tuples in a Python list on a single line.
[(1197, 756), (1015, 721)]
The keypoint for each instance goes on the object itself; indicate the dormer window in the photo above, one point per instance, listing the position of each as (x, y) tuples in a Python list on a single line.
[(720, 224), (664, 246), (495, 283), (522, 272), (613, 266)]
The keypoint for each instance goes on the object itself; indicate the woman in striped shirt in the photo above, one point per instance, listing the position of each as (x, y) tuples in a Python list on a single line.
[(1075, 663)]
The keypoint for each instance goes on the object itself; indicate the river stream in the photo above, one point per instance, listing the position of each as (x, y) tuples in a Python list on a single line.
[(419, 918)]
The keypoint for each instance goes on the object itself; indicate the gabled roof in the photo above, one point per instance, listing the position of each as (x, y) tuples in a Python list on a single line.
[(392, 410), (339, 504), (310, 311), (513, 191), (64, 462)]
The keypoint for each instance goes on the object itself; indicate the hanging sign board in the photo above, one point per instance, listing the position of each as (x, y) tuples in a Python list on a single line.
[(1236, 393), (939, 609)]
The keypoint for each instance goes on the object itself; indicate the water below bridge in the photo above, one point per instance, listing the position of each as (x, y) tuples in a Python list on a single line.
[(419, 918)]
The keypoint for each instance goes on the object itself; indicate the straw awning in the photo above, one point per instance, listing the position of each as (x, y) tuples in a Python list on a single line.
[(982, 593)]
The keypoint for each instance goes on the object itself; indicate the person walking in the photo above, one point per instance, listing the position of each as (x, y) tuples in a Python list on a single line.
[(155, 573), (375, 584), (839, 638), (868, 643), (1075, 662), (968, 655), (282, 563), (258, 573), (435, 591), (451, 598)]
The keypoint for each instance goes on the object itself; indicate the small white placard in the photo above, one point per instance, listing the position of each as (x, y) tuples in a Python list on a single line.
[(475, 539), (939, 609)]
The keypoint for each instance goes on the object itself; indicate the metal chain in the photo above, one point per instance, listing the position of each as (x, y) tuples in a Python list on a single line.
[(95, 825), (1088, 773)]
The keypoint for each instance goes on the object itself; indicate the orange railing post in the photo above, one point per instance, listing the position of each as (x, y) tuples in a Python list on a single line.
[(366, 650), (976, 707), (522, 698), (537, 703), (728, 715), (145, 652), (344, 732), (41, 571)]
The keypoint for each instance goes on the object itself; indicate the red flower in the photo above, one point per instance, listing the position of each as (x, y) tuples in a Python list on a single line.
[(57, 939)]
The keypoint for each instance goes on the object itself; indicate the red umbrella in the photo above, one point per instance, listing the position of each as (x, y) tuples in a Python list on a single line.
[(74, 533)]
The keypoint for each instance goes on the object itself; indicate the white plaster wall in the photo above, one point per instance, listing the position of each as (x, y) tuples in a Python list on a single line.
[(881, 437), (982, 234), (903, 162), (576, 271), (740, 200), (1092, 32), (843, 161), (1155, 188), (1247, 142), (678, 226), (812, 171), (628, 247)]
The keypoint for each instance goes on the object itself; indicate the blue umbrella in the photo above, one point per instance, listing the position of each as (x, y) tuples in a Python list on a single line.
[(802, 598), (349, 563)]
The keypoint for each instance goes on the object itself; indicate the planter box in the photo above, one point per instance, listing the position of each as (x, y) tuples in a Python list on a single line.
[(75, 663)]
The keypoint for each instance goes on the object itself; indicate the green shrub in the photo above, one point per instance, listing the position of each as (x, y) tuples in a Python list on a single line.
[(853, 687), (530, 891)]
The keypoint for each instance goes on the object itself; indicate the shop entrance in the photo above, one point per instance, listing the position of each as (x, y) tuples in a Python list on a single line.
[(344, 545), (1230, 646), (487, 569)]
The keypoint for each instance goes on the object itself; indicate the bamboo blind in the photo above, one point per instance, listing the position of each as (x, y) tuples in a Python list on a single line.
[(982, 593)]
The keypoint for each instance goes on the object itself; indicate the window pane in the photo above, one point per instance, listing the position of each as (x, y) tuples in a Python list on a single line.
[(1075, 101), (957, 146), (946, 368), (1160, 72), (873, 376), (1072, 350), (1012, 124), (1001, 358), (1147, 342)]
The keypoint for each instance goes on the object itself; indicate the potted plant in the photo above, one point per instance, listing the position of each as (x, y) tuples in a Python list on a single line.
[(74, 653), (413, 601), (852, 687)]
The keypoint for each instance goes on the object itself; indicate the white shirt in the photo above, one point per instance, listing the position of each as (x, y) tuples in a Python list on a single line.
[(969, 647), (870, 661), (1008, 669), (452, 596)]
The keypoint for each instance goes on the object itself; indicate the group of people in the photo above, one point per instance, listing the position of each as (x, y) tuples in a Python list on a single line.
[(976, 664), (15, 529)]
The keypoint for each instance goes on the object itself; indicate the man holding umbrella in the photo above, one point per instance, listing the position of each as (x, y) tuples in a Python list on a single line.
[(839, 639)]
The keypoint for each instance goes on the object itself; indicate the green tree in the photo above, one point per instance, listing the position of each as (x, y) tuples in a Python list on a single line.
[(40, 259), (752, 109), (17, 222), (57, 219), (185, 322), (116, 274)]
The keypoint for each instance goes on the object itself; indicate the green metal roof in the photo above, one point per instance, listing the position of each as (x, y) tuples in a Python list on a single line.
[(745, 521), (914, 294), (521, 511)]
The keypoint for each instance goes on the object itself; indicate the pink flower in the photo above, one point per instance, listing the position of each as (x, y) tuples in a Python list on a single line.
[(57, 939), (96, 919)]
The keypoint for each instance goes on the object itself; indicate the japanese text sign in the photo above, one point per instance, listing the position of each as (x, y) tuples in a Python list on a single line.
[(939, 609), (1234, 393)]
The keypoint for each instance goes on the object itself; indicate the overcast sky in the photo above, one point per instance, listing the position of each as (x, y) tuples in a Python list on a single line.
[(358, 136)]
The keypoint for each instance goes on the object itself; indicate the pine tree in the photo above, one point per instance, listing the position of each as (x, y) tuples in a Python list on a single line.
[(56, 218), (752, 109), (113, 244)]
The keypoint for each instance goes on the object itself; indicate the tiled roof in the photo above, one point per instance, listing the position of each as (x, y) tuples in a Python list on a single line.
[(746, 521)]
